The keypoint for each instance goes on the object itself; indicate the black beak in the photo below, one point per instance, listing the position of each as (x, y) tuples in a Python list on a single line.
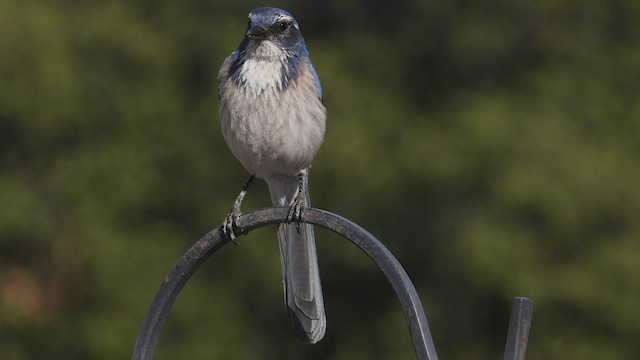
[(257, 32)]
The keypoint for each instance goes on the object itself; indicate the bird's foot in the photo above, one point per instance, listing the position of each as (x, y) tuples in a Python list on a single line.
[(297, 210), (230, 224)]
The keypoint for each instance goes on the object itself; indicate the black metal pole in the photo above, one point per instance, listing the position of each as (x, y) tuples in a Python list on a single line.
[(519, 325), (214, 240)]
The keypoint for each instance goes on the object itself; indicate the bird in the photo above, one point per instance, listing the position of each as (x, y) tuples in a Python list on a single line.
[(273, 119)]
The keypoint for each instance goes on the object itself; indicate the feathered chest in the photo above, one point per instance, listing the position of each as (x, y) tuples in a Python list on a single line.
[(271, 112), (265, 69), (258, 76)]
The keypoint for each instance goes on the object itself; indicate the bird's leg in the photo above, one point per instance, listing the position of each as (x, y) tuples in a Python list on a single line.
[(230, 223), (299, 202)]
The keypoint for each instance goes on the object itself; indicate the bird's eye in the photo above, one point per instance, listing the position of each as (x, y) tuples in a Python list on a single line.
[(283, 25), (249, 23)]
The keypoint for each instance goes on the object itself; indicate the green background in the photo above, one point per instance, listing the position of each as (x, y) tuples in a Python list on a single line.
[(493, 146)]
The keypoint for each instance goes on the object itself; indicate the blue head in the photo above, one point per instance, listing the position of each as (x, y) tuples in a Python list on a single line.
[(277, 26), (273, 35)]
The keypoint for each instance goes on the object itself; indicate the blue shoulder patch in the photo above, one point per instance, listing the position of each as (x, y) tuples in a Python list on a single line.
[(317, 80)]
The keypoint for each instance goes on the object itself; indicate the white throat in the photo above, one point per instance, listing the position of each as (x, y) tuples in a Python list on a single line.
[(261, 71)]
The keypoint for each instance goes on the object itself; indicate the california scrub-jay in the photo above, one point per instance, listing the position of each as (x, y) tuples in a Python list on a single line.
[(273, 120)]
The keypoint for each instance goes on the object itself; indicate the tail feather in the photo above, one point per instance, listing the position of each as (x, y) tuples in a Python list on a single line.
[(301, 277)]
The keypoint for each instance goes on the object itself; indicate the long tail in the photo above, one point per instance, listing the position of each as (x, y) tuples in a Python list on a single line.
[(302, 288)]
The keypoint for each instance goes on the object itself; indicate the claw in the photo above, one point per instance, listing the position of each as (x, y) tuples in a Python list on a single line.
[(230, 223), (297, 209)]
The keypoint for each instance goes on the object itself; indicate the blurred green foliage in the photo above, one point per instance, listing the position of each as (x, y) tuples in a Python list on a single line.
[(493, 146)]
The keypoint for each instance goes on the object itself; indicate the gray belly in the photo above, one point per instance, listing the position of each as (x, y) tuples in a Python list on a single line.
[(276, 133)]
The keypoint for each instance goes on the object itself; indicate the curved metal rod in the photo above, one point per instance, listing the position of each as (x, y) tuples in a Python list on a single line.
[(214, 240)]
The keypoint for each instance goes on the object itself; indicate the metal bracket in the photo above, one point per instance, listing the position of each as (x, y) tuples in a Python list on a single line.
[(406, 292)]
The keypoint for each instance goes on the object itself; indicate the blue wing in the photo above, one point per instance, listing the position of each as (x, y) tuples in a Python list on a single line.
[(316, 80)]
